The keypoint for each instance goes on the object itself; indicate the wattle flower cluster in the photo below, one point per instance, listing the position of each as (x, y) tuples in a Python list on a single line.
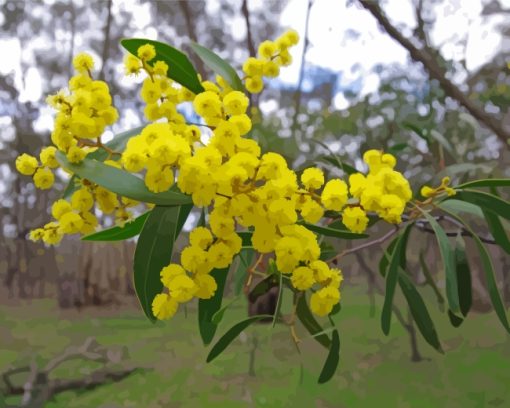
[(222, 170)]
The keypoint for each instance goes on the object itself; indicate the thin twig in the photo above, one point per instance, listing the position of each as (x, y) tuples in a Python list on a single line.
[(368, 244)]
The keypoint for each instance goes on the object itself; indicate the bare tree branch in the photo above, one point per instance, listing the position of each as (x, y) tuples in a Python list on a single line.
[(436, 72), (106, 43), (297, 95), (249, 38), (184, 6)]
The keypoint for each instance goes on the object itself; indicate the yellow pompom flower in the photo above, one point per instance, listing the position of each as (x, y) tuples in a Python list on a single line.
[(302, 278), (52, 234), (334, 195), (26, 164), (146, 52), (182, 288), (169, 272), (312, 178), (252, 67), (83, 63), (48, 158), (201, 237), (235, 103), (160, 68), (206, 286), (164, 307), (36, 234), (59, 208), (254, 84), (266, 49), (132, 65), (207, 104), (82, 200), (75, 154), (355, 219), (70, 223), (43, 178), (322, 301), (158, 178)]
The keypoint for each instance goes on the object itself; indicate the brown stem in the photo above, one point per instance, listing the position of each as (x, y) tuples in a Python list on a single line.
[(436, 72), (106, 43), (249, 38)]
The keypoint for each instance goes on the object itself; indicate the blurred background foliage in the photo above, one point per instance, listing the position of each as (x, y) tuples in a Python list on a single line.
[(313, 114)]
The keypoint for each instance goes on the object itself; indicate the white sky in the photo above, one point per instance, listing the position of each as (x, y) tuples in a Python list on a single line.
[(329, 20)]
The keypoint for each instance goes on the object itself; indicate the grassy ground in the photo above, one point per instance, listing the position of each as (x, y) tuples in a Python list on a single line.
[(375, 371)]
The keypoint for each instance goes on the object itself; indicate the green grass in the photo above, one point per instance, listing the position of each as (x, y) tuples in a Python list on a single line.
[(375, 370)]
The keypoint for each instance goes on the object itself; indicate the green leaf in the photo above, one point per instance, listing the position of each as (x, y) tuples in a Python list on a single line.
[(458, 206), (430, 280), (306, 318), (463, 277), (419, 311), (280, 294), (397, 148), (488, 270), (180, 68), (438, 137), (218, 316), (392, 276), (385, 259), (497, 230), (485, 183), (154, 251), (246, 238), (448, 256), (207, 308), (264, 286), (455, 320), (245, 260), (117, 144), (485, 201), (334, 159), (331, 232), (417, 130), (118, 233), (231, 335), (121, 182), (331, 364), (218, 65)]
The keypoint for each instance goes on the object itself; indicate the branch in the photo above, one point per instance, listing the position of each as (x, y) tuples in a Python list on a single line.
[(436, 72), (297, 95), (106, 43), (183, 4), (368, 244), (249, 38)]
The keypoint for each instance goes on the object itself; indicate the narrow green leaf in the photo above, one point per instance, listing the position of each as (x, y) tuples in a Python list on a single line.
[(448, 256), (455, 320), (208, 307), (497, 230), (121, 182), (246, 238), (280, 297), (443, 141), (180, 68), (334, 159), (306, 318), (485, 201), (218, 65), (331, 364), (488, 270), (485, 183), (392, 277), (385, 259), (218, 316), (430, 280), (417, 130), (263, 287), (419, 311), (459, 207), (245, 260), (231, 335), (117, 144), (118, 233), (331, 232), (463, 277), (154, 251), (397, 148)]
